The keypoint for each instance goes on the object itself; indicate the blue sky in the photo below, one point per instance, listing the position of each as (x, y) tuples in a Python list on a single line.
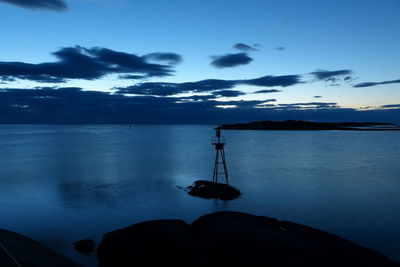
[(359, 40)]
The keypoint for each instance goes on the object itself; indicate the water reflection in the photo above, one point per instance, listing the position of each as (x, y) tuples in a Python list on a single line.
[(82, 195), (73, 182)]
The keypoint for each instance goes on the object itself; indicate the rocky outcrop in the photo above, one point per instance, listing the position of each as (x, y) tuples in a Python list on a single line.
[(17, 249), (207, 189), (232, 239), (145, 244)]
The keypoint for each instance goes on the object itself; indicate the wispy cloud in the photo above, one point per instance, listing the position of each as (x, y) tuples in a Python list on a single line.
[(228, 93), (325, 74), (169, 58), (57, 5), (267, 91), (391, 106), (244, 47), (309, 105), (369, 84)]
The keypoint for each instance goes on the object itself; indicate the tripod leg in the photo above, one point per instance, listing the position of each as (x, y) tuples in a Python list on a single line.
[(224, 163), (215, 175)]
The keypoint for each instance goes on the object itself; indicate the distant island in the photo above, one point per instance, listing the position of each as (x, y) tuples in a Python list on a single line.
[(309, 125)]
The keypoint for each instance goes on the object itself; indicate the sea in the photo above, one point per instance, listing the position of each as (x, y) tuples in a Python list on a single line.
[(63, 183)]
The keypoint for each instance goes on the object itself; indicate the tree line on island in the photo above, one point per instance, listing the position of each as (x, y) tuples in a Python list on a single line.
[(310, 125)]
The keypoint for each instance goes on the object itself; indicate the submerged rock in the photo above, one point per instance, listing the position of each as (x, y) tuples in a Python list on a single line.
[(207, 189), (232, 239), (85, 246)]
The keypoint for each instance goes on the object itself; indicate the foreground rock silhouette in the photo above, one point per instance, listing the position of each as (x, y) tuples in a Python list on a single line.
[(231, 239), (85, 246), (28, 252)]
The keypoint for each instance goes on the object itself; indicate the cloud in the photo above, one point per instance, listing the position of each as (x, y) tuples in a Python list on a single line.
[(6, 79), (280, 48), (132, 77), (244, 47), (369, 84), (168, 89), (349, 79), (317, 96), (267, 91), (169, 58), (194, 98), (228, 93), (284, 80), (231, 60), (209, 85), (391, 106), (245, 103), (333, 80), (152, 88), (83, 63), (309, 105), (57, 5), (325, 74)]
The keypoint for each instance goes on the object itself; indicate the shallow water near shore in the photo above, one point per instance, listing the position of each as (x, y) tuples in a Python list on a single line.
[(63, 183)]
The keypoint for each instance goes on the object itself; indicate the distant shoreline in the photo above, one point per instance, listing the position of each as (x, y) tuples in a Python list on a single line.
[(299, 125)]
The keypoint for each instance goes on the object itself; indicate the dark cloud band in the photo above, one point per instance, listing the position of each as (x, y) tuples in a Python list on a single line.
[(74, 105), (209, 85)]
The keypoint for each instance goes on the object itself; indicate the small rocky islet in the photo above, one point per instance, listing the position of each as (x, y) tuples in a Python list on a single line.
[(208, 190)]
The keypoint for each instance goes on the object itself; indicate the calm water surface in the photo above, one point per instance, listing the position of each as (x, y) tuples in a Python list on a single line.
[(60, 184)]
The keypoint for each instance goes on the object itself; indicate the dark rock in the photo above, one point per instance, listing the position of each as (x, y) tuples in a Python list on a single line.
[(207, 189), (145, 244), (85, 246), (232, 239), (28, 252), (240, 239)]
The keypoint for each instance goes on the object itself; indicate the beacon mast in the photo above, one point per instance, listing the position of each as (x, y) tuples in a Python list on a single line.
[(219, 143)]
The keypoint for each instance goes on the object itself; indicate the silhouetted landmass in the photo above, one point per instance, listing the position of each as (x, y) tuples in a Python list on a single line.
[(309, 125), (207, 189), (231, 239), (27, 252)]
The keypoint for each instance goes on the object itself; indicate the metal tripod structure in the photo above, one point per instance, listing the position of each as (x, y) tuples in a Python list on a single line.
[(219, 143)]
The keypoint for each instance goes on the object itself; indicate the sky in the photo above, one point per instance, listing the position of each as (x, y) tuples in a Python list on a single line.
[(209, 61)]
